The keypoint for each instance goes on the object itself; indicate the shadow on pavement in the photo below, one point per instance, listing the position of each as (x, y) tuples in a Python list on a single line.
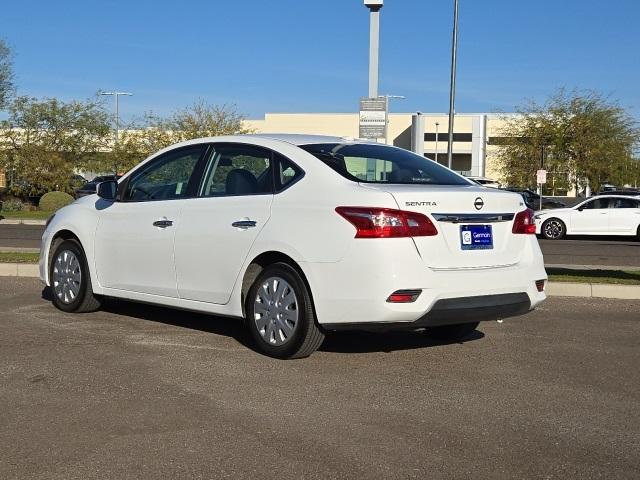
[(369, 342), (336, 342)]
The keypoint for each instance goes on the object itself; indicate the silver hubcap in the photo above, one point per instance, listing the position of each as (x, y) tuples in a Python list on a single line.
[(275, 311), (67, 276), (553, 229)]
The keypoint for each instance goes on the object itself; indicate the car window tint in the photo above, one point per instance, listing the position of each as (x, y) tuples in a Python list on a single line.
[(166, 177), (238, 170), (376, 163), (598, 203), (288, 172), (625, 203)]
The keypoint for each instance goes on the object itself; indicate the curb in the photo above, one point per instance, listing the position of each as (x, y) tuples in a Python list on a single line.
[(18, 221), (19, 270), (593, 290), (553, 289)]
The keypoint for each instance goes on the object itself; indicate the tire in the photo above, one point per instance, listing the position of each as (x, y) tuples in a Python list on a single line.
[(70, 280), (282, 329), (553, 229), (452, 332)]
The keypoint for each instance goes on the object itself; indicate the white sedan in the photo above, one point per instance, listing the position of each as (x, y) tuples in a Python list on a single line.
[(299, 235), (601, 215)]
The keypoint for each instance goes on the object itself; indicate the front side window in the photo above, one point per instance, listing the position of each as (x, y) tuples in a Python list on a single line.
[(238, 170), (597, 204), (370, 163), (164, 178)]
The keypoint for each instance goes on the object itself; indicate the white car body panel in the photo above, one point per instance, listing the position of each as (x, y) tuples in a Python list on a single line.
[(200, 262)]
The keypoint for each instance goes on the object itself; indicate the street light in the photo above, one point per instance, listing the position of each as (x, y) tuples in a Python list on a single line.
[(374, 7), (452, 89), (116, 95)]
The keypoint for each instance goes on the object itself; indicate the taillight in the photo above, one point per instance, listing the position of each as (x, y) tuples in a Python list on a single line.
[(372, 222), (540, 285), (524, 223)]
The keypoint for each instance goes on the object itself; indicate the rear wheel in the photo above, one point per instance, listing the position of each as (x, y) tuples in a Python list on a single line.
[(70, 281), (280, 314), (452, 332), (554, 229)]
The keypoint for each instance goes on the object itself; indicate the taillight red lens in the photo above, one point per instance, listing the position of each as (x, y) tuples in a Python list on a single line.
[(524, 223), (372, 222)]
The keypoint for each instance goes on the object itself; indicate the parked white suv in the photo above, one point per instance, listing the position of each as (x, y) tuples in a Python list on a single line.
[(299, 235)]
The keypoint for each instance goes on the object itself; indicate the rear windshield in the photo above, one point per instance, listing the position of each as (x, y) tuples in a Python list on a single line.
[(370, 163)]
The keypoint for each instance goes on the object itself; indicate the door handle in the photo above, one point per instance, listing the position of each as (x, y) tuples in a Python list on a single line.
[(163, 223), (244, 224)]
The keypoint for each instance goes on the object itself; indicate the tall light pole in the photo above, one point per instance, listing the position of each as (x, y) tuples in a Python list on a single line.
[(116, 95), (374, 7), (437, 125), (398, 97), (452, 90)]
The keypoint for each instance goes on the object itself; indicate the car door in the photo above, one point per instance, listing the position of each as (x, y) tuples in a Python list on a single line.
[(219, 227), (134, 240), (591, 218), (624, 216)]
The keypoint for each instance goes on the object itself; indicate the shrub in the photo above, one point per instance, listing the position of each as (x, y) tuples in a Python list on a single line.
[(12, 206), (52, 201)]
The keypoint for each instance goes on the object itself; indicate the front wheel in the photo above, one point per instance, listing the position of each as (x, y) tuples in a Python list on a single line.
[(70, 281), (280, 314), (452, 332), (553, 229)]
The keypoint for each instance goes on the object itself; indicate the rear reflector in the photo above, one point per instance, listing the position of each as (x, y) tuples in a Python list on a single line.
[(523, 223), (404, 296), (373, 222), (540, 285)]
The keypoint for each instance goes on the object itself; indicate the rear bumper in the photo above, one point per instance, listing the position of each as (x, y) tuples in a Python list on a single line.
[(355, 290), (451, 311)]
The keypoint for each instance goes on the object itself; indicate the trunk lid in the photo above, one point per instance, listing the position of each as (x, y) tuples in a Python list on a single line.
[(452, 207)]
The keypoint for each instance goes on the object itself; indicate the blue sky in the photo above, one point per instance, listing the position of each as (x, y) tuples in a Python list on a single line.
[(309, 56)]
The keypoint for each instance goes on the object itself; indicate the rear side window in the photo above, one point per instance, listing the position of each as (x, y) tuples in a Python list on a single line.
[(237, 169), (371, 163), (625, 203), (287, 172)]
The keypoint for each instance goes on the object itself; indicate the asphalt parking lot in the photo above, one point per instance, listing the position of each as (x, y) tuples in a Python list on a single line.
[(144, 392)]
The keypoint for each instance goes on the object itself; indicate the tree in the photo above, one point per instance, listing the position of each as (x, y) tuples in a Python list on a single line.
[(154, 133), (582, 136), (6, 75), (43, 142)]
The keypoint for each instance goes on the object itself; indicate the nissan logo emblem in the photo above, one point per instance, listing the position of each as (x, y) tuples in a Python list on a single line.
[(478, 203)]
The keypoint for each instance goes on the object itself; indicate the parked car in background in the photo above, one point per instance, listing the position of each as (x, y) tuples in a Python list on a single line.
[(485, 182), (627, 191), (297, 235), (532, 199), (89, 188), (601, 215)]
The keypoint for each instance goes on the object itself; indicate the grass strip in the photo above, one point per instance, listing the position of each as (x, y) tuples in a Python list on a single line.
[(19, 257), (621, 277), (29, 215)]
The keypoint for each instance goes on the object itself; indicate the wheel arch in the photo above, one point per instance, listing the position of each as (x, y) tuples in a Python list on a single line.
[(259, 263), (57, 238)]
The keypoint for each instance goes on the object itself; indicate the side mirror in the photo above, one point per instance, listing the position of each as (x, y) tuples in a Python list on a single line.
[(580, 209), (107, 190)]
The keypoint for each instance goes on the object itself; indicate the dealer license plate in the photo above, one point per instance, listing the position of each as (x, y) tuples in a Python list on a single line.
[(476, 237)]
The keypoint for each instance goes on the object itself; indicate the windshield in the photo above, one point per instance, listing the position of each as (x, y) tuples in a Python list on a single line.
[(369, 163)]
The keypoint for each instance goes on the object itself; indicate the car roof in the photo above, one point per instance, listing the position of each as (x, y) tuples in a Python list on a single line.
[(304, 139)]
